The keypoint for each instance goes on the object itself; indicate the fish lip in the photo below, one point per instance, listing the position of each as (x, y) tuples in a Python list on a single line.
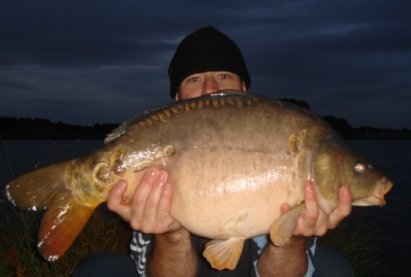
[(380, 199), (383, 187), (373, 200), (377, 198), (387, 185)]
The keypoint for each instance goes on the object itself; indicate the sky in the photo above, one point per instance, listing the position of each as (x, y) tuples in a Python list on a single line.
[(99, 61)]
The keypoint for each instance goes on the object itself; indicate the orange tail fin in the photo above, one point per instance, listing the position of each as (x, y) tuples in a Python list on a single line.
[(60, 226), (45, 188)]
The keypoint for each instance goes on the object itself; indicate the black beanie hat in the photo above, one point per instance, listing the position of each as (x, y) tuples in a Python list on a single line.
[(207, 49)]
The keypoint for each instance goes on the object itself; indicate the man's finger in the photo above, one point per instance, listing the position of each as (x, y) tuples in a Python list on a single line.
[(311, 207), (163, 209), (116, 194), (343, 209), (115, 199), (153, 199), (143, 191)]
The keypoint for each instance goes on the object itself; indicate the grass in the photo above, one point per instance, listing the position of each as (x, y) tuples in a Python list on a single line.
[(18, 254), (356, 237)]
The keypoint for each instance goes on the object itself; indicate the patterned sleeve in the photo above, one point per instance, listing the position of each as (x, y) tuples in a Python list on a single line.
[(139, 248), (261, 241)]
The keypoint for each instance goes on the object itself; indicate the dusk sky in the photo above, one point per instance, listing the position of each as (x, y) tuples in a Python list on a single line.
[(100, 61)]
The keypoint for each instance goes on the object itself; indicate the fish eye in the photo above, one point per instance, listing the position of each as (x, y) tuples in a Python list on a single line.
[(360, 167)]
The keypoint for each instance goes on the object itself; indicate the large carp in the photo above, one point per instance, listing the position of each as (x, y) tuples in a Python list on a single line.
[(233, 159)]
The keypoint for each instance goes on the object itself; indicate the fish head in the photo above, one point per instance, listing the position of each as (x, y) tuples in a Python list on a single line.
[(336, 165), (368, 186)]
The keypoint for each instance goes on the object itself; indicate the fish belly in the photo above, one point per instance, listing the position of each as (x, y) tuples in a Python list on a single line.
[(235, 195)]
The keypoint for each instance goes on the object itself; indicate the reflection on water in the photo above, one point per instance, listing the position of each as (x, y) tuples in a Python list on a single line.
[(20, 156)]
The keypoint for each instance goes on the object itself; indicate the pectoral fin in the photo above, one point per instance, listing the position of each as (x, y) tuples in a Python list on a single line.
[(305, 139), (282, 229), (224, 254)]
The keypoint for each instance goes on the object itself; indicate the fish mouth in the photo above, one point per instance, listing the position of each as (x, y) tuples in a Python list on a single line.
[(387, 185), (372, 200), (377, 198)]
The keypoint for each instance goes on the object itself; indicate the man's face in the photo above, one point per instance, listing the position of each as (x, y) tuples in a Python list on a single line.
[(209, 82)]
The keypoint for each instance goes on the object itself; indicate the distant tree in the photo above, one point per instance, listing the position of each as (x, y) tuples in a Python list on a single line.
[(341, 125), (38, 128)]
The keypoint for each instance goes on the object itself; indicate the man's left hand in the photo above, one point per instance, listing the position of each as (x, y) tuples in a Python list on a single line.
[(313, 221)]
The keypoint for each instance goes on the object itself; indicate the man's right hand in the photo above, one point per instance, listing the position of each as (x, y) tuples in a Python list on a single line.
[(149, 208)]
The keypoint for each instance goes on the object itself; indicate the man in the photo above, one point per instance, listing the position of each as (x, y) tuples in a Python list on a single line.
[(205, 62)]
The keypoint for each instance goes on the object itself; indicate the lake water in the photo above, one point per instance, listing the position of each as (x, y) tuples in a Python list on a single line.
[(390, 156)]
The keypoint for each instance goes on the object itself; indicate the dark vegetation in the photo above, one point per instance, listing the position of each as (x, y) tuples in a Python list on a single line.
[(38, 128), (342, 126)]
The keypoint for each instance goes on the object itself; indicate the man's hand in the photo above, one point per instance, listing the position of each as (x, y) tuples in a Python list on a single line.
[(314, 222), (149, 208), (149, 212)]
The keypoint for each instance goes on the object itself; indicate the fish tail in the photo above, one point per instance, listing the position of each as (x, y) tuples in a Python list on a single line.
[(46, 188), (60, 226)]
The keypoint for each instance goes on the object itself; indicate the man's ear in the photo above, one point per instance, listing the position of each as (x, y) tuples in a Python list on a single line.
[(244, 86), (177, 97)]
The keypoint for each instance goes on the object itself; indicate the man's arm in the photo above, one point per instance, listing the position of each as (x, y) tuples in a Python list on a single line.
[(173, 255), (288, 260)]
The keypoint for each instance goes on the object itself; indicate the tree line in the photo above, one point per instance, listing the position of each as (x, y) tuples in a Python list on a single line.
[(39, 128)]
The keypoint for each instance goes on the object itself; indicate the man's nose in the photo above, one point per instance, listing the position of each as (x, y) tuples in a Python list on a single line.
[(210, 86)]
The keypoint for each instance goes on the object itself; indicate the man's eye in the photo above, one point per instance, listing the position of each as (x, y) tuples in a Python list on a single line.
[(225, 76), (193, 79)]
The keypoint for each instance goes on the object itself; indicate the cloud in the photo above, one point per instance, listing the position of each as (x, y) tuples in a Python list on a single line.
[(109, 59)]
